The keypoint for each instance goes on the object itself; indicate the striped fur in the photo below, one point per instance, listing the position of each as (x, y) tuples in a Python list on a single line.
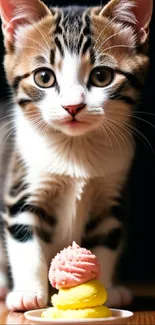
[(68, 172)]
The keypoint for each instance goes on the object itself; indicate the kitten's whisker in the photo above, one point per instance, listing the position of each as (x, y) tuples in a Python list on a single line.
[(142, 112), (119, 46), (41, 33), (143, 120), (135, 131), (103, 130), (8, 104), (6, 117), (137, 112), (10, 132), (32, 48), (113, 135), (5, 125), (43, 128), (138, 118), (25, 56), (106, 26), (39, 124), (121, 136), (34, 41), (98, 48), (119, 124), (116, 46), (7, 100), (34, 120)]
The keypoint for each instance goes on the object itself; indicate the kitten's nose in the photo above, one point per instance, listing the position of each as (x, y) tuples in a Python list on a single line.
[(74, 109)]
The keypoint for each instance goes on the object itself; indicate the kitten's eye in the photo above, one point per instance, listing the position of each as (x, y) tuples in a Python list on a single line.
[(44, 78), (101, 77)]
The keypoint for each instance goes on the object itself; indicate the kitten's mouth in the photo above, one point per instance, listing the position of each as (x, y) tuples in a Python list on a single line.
[(74, 122), (71, 121), (74, 126)]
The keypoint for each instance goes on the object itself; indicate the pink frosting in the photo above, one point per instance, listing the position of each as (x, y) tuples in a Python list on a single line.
[(73, 266)]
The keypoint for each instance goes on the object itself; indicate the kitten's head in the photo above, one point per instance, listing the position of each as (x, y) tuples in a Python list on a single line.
[(76, 69)]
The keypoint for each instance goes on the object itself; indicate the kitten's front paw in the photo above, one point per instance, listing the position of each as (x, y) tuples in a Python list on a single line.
[(26, 300), (118, 297), (3, 285), (3, 293)]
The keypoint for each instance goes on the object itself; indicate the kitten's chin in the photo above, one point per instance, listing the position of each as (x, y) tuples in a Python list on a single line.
[(74, 128)]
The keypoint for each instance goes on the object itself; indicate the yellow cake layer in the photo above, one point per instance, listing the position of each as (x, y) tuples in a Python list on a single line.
[(95, 312), (86, 295)]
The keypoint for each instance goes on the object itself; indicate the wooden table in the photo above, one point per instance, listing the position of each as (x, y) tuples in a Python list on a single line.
[(139, 318)]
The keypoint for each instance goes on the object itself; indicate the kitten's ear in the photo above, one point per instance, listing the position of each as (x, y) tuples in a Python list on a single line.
[(16, 12), (135, 12)]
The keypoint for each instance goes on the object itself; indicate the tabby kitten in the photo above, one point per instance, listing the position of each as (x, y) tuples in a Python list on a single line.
[(77, 75)]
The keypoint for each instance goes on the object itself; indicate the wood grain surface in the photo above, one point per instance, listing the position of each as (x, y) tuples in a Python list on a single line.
[(139, 318)]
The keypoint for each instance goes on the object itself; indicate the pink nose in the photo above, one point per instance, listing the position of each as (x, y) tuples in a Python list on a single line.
[(74, 109)]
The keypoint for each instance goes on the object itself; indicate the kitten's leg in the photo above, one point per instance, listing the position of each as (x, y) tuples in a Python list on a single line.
[(105, 239), (118, 296), (3, 272), (28, 249)]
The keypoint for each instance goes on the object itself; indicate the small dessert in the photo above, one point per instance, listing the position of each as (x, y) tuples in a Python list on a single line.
[(75, 272)]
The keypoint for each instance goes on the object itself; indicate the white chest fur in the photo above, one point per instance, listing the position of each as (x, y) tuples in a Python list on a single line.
[(64, 167), (85, 157)]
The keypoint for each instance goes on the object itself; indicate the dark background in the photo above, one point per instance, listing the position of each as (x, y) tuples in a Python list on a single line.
[(138, 262)]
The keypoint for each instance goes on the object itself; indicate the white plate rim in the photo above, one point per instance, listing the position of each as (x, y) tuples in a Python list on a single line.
[(76, 320)]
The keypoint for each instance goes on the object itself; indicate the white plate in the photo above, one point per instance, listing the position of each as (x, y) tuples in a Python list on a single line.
[(118, 317)]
